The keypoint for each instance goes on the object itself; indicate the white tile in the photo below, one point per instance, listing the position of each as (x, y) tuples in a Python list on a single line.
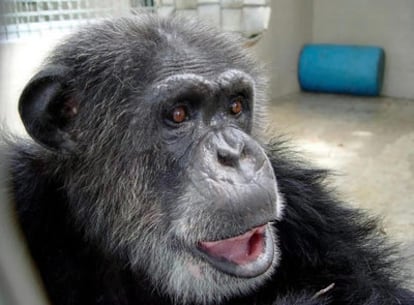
[(208, 1), (231, 20), (185, 4), (231, 3), (255, 19), (255, 2), (166, 2), (210, 13), (187, 13), (165, 11)]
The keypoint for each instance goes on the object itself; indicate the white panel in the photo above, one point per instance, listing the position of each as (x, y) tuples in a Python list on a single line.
[(187, 13), (210, 13), (231, 3), (255, 19), (255, 2), (166, 2), (208, 1), (231, 19), (165, 10), (186, 4)]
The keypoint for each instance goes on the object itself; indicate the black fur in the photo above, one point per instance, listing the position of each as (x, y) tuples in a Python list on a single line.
[(330, 254)]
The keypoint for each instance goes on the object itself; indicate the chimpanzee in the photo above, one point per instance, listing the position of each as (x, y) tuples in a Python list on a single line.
[(149, 181)]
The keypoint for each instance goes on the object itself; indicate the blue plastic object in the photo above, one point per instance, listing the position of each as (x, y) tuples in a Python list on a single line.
[(343, 69)]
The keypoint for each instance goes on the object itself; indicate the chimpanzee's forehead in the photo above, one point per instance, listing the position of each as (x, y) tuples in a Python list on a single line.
[(180, 51), (139, 53)]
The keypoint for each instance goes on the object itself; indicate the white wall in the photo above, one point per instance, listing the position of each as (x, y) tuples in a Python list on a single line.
[(290, 27), (386, 23)]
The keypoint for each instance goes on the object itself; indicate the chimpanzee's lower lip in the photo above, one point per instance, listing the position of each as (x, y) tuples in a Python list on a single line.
[(247, 255)]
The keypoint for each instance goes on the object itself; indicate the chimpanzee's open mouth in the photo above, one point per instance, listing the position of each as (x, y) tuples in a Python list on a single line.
[(246, 255)]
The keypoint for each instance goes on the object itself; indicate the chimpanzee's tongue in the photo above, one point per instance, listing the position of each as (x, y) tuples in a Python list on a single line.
[(242, 249)]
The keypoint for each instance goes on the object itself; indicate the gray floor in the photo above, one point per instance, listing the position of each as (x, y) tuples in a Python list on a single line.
[(369, 143)]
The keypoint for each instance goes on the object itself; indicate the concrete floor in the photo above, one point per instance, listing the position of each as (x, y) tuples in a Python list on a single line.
[(369, 143)]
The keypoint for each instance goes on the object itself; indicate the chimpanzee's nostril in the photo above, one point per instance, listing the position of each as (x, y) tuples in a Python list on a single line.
[(229, 156), (227, 159), (230, 149)]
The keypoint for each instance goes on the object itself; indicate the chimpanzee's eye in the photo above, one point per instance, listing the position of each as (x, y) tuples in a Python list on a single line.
[(179, 114), (236, 106)]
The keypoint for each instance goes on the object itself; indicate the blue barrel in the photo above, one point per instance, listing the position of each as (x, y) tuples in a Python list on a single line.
[(343, 69)]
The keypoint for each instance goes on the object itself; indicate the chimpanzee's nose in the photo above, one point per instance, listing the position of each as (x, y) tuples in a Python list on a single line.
[(230, 148)]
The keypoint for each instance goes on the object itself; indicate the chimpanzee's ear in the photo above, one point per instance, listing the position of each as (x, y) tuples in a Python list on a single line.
[(47, 108)]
